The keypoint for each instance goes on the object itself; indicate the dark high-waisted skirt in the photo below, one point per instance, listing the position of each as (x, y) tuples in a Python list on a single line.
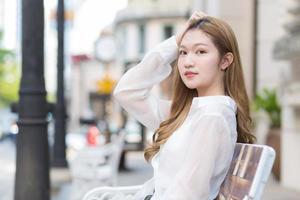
[(148, 197)]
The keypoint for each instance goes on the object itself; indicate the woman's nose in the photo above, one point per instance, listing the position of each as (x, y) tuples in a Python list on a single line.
[(188, 62)]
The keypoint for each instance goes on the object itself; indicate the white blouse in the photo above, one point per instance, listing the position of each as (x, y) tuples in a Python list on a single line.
[(194, 161)]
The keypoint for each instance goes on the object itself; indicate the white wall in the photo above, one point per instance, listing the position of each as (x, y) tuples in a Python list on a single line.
[(158, 5), (132, 42), (290, 140), (271, 14), (240, 15), (154, 34)]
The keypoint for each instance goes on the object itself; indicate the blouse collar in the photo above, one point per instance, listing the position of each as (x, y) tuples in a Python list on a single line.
[(218, 99)]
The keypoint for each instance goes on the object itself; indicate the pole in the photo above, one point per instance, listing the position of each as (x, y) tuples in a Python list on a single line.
[(59, 153), (32, 162)]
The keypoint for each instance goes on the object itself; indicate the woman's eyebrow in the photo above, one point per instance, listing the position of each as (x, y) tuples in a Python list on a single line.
[(197, 44)]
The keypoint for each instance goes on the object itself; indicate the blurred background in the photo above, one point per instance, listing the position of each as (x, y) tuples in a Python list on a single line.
[(102, 40)]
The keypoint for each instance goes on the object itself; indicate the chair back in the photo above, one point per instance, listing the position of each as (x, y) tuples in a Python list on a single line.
[(248, 174)]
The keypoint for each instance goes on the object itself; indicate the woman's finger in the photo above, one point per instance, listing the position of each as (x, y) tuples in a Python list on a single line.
[(201, 14), (196, 16)]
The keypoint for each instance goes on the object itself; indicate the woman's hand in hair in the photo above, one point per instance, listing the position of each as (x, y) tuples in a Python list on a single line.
[(194, 17)]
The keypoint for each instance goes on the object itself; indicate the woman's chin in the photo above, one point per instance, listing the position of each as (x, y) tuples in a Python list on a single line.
[(190, 86)]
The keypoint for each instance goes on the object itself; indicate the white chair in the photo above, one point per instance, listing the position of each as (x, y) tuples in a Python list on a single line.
[(94, 166), (249, 171)]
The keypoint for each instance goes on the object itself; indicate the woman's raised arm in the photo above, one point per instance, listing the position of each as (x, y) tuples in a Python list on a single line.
[(133, 89)]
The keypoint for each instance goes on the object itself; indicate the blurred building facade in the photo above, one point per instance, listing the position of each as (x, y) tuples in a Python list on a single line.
[(86, 70), (269, 70), (287, 48), (141, 26), (144, 24)]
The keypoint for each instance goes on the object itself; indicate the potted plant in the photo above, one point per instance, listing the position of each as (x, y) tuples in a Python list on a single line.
[(268, 102)]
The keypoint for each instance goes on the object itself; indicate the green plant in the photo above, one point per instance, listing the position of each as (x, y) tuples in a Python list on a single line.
[(267, 101), (9, 84), (9, 77)]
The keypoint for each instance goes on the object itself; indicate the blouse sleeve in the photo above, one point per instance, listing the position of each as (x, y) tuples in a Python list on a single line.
[(210, 137), (133, 89)]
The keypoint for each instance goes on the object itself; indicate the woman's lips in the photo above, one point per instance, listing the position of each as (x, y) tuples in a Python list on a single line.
[(190, 74)]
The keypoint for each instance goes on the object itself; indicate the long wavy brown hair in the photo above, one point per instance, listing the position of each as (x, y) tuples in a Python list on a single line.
[(224, 39)]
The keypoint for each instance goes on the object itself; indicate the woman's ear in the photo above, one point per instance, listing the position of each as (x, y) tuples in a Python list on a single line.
[(226, 61)]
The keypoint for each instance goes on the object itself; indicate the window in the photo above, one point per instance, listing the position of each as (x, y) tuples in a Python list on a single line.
[(168, 31), (141, 38)]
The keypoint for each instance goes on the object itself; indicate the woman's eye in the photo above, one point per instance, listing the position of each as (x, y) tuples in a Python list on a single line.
[(181, 52), (200, 52)]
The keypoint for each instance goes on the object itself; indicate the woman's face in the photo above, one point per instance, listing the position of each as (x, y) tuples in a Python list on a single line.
[(199, 62)]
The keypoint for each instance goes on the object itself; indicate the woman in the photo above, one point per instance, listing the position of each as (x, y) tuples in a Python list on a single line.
[(195, 132)]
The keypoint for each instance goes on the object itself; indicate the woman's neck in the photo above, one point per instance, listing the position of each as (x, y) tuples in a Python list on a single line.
[(211, 92)]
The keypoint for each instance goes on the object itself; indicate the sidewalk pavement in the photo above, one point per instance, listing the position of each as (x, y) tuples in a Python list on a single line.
[(7, 169)]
